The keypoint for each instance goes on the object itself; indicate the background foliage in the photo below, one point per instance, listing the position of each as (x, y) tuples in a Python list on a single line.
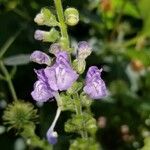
[(119, 31)]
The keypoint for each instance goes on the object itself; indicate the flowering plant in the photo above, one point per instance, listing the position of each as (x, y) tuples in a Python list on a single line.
[(60, 77)]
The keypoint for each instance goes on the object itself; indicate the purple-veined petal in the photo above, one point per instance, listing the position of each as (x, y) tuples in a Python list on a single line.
[(51, 76), (41, 92), (95, 87), (65, 77), (84, 50), (40, 58)]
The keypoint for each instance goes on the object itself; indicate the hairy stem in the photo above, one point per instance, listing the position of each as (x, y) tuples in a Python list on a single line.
[(60, 14), (8, 80), (78, 108)]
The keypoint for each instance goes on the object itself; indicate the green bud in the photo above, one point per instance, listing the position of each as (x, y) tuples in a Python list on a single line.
[(71, 16), (79, 65), (45, 17), (19, 114)]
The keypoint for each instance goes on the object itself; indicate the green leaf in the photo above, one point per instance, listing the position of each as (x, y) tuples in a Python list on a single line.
[(21, 59)]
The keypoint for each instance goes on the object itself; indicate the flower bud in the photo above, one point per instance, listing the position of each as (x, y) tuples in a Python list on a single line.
[(46, 36), (79, 65), (39, 19), (52, 137), (39, 35), (84, 50), (71, 16), (45, 17), (40, 58), (55, 48)]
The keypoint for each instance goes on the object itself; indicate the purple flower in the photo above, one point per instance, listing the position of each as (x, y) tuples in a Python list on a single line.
[(95, 86), (51, 79), (42, 91), (39, 35), (61, 76), (52, 137), (84, 50), (40, 58)]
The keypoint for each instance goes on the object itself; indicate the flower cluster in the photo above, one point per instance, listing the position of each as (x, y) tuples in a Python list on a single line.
[(60, 76)]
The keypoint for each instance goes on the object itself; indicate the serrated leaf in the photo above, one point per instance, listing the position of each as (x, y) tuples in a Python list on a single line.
[(21, 59)]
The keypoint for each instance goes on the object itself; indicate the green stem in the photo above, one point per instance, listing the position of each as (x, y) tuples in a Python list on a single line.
[(78, 108), (2, 77), (8, 79), (8, 43), (60, 14)]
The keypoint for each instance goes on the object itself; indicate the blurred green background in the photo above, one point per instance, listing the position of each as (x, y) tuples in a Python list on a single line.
[(119, 32)]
